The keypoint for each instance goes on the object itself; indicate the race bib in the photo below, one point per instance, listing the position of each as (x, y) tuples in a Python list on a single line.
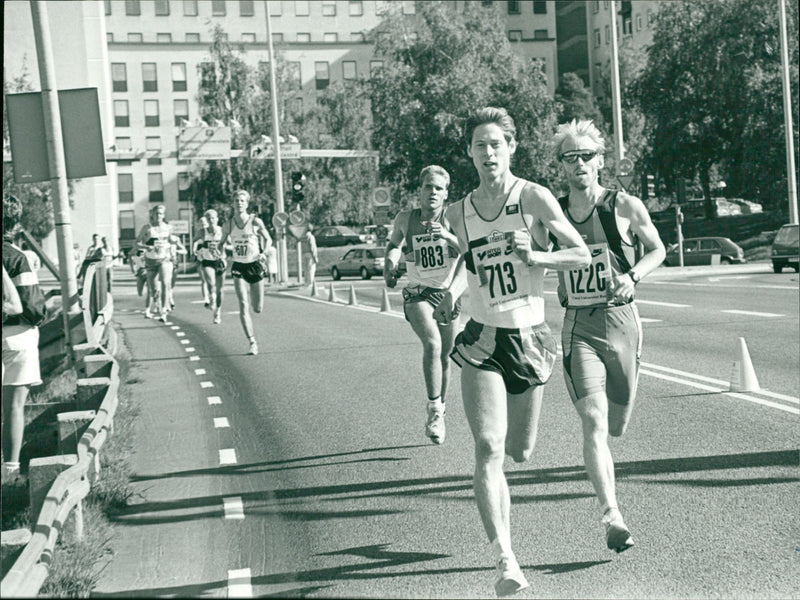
[(161, 248), (431, 257), (502, 275), (589, 286), (241, 249)]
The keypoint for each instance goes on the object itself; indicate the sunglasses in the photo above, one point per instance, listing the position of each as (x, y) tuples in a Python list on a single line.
[(572, 157)]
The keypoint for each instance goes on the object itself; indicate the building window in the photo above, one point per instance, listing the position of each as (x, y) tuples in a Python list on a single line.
[(608, 34), (539, 7), (125, 187), (217, 8), (513, 7), (540, 34), (121, 115), (357, 36), (119, 77), (178, 77), (123, 144), (192, 37), (208, 75), (356, 8), (246, 8), (155, 185), (184, 187), (153, 145), (275, 8), (515, 35), (375, 67), (596, 6), (151, 113), (132, 8), (162, 8), (189, 8), (328, 8), (303, 37), (349, 69), (109, 38), (127, 225), (321, 74), (293, 72), (107, 4), (638, 22), (180, 109), (605, 4), (650, 17), (277, 38), (149, 79), (164, 38), (249, 38), (409, 7), (486, 2), (596, 38), (330, 37), (301, 8), (135, 38)]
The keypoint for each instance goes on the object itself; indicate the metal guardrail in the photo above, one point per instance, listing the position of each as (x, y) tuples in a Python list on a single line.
[(30, 570)]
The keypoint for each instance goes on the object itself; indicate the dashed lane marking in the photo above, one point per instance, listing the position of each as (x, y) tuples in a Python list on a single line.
[(194, 357), (214, 400), (221, 423), (233, 507), (239, 584), (185, 342), (199, 371), (669, 304), (180, 333), (189, 348), (206, 384), (227, 456), (751, 313), (174, 327)]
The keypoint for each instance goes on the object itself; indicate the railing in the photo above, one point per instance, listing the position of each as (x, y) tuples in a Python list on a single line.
[(62, 510)]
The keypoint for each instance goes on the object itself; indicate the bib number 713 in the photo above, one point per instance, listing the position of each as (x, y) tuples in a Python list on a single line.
[(502, 275)]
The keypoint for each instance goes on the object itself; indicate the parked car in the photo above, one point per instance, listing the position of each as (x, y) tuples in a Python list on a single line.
[(786, 248), (748, 207), (726, 208), (701, 251), (338, 235), (368, 231), (365, 262)]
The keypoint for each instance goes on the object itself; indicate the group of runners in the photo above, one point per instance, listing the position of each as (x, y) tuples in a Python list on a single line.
[(498, 242)]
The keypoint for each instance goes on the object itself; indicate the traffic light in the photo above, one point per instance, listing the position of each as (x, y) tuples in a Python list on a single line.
[(651, 186), (298, 183)]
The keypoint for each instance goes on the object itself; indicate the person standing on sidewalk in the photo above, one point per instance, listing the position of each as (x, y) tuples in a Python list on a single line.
[(431, 259), (602, 334), (20, 340), (310, 255), (250, 238), (506, 351)]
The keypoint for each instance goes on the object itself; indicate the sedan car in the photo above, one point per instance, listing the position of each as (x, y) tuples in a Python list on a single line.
[(364, 262), (338, 235), (786, 248), (702, 251)]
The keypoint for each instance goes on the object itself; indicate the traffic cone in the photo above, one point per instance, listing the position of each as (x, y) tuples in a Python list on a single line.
[(332, 294), (743, 376), (385, 305), (314, 288), (352, 301)]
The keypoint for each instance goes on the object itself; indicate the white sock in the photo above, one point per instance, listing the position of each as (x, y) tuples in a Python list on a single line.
[(435, 403), (11, 467), (501, 548)]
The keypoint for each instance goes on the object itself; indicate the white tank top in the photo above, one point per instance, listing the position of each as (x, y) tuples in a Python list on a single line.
[(212, 245), (160, 249), (245, 241), (429, 262), (503, 290)]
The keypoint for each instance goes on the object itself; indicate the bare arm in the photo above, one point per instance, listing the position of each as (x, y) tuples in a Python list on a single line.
[(262, 230), (394, 248), (144, 235), (12, 305)]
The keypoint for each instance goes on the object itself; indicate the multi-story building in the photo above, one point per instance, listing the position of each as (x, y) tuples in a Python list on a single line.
[(157, 52)]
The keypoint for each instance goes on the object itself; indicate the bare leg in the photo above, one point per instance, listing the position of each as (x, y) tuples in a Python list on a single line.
[(593, 411), (420, 315), (243, 295), (14, 397)]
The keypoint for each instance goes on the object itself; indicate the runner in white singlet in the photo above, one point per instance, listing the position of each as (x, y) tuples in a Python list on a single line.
[(506, 351), (431, 260), (209, 251), (155, 239)]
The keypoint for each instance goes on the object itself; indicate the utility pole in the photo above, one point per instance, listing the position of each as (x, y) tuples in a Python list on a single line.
[(58, 167), (283, 266), (787, 117), (615, 90)]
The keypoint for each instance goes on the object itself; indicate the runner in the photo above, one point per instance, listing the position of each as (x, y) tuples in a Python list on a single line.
[(212, 262), (506, 351), (175, 253), (137, 264), (155, 239), (602, 333), (199, 240), (431, 259), (247, 232)]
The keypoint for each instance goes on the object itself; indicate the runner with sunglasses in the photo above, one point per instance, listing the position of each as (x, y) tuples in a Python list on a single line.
[(602, 334)]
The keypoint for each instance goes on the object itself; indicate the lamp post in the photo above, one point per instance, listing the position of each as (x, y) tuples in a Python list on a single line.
[(787, 117)]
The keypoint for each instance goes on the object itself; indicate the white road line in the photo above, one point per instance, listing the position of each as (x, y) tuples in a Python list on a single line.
[(752, 313), (709, 388), (168, 323), (195, 357), (709, 285), (184, 342), (239, 584), (189, 349), (221, 423), (233, 507), (227, 456), (206, 384), (199, 371), (669, 304), (648, 320), (180, 333), (214, 400), (174, 327), (197, 302)]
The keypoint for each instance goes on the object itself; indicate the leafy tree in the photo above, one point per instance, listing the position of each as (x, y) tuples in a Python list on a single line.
[(577, 101), (438, 68)]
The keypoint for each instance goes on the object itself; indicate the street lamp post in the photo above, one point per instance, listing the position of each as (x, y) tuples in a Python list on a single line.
[(787, 117)]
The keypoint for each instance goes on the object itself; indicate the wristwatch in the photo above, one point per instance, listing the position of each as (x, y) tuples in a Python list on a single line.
[(634, 276)]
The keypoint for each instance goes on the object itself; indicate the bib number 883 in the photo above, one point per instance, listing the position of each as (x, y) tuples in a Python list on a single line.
[(431, 256)]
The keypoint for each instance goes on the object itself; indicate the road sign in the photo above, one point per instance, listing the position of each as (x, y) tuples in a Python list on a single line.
[(625, 167), (180, 227), (288, 151), (381, 215), (298, 224), (204, 143), (625, 181), (280, 219), (382, 196)]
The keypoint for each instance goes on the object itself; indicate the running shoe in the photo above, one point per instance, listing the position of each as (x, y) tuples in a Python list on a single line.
[(218, 316), (147, 313), (509, 578), (207, 304), (618, 537), (434, 428), (163, 317), (253, 348)]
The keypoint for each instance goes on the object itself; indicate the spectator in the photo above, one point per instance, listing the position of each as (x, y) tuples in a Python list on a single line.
[(272, 263), (20, 341), (94, 253), (107, 254), (310, 255), (12, 305)]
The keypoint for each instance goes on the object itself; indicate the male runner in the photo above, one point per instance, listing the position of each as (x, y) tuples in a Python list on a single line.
[(506, 351), (250, 238), (431, 259), (602, 333)]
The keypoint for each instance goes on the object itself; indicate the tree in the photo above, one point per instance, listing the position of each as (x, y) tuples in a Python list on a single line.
[(577, 101), (438, 68)]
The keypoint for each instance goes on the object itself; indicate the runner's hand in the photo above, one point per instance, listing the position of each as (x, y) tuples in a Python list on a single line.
[(621, 288), (521, 244), (390, 275), (443, 313)]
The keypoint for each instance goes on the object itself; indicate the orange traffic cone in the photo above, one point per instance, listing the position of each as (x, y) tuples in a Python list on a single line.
[(743, 376), (385, 304), (352, 301), (332, 294)]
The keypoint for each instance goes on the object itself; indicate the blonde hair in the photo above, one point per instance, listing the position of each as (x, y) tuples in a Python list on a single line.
[(244, 193), (210, 212), (435, 170), (575, 129)]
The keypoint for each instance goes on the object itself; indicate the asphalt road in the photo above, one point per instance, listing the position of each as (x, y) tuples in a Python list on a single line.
[(304, 471)]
